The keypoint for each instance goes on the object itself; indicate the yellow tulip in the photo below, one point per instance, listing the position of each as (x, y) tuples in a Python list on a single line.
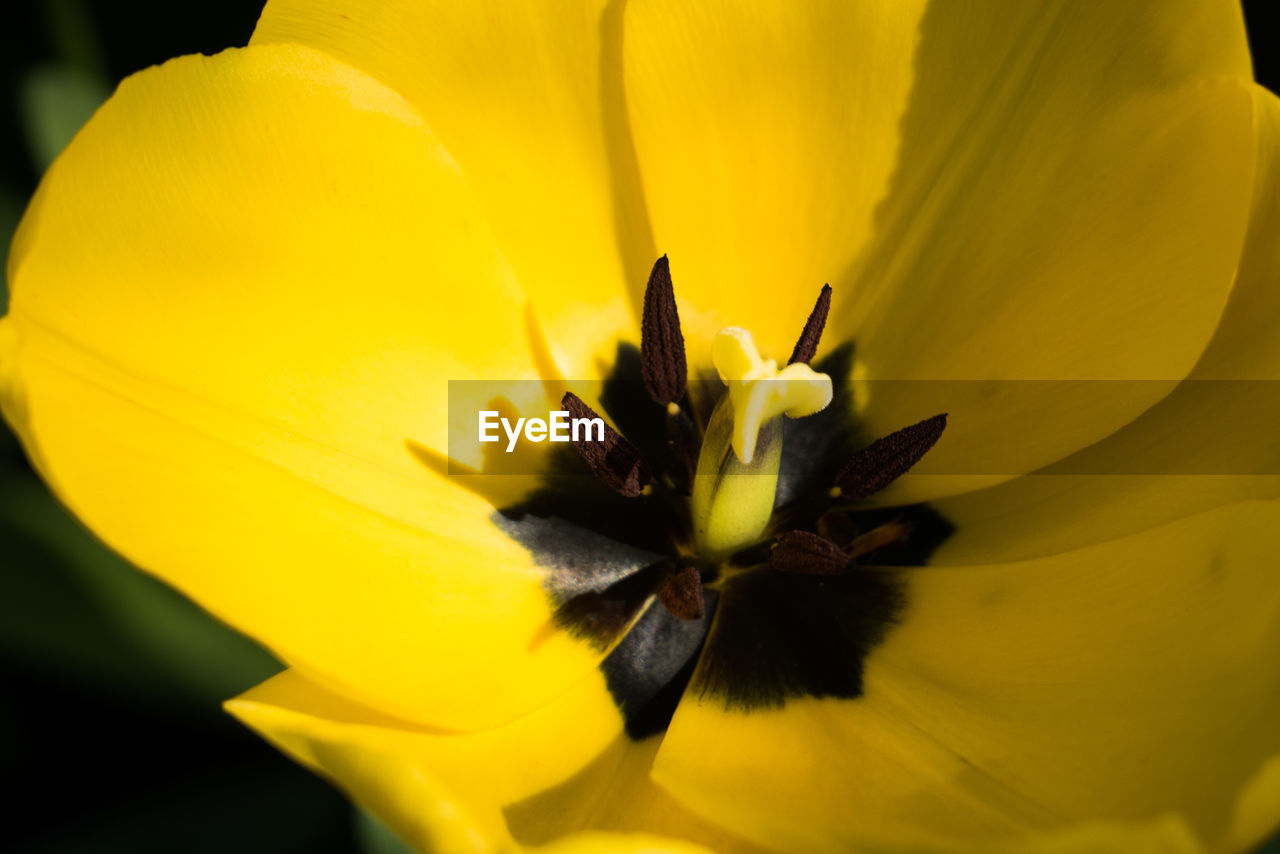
[(239, 296)]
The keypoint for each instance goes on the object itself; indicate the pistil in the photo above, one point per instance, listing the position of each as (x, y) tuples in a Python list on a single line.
[(737, 474)]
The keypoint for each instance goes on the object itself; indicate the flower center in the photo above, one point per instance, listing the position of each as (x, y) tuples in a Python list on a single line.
[(723, 545), (719, 481)]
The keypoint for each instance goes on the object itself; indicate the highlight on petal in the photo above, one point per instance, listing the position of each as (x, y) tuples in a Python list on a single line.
[(564, 776), (1017, 698), (527, 98), (236, 302)]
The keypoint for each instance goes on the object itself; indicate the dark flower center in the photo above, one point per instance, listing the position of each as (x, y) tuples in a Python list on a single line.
[(790, 611)]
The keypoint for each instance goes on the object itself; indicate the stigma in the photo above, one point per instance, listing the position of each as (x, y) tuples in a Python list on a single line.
[(759, 392)]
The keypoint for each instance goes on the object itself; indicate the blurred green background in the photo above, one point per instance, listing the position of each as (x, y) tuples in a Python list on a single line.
[(112, 736)]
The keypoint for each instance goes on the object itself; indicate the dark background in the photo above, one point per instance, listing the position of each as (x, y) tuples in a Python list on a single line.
[(112, 736)]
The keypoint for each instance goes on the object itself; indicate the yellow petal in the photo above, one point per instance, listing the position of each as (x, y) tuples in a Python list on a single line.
[(1212, 441), (1118, 683), (766, 133), (565, 776), (526, 97), (1069, 206), (1057, 192), (1245, 346), (237, 300), (614, 843), (1254, 819)]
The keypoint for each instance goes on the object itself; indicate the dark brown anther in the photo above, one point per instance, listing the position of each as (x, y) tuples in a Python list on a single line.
[(681, 593), (807, 346), (879, 537), (808, 554), (614, 460), (885, 460), (662, 363)]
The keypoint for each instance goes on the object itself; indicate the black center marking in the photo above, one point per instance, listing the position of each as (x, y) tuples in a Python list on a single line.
[(782, 635), (766, 636)]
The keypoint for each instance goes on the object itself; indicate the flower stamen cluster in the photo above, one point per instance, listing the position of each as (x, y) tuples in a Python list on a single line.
[(720, 482)]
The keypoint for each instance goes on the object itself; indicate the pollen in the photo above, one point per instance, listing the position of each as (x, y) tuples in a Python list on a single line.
[(759, 392)]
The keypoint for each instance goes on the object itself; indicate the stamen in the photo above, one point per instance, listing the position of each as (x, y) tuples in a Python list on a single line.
[(838, 525), (683, 443), (879, 537), (662, 362), (614, 460), (807, 553), (885, 460), (681, 593), (807, 346)]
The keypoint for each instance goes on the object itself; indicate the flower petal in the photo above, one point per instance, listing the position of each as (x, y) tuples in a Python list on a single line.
[(618, 843), (1245, 347), (563, 770), (1071, 207), (1117, 683), (766, 133), (1211, 442), (1254, 819), (526, 97), (237, 300), (1055, 193)]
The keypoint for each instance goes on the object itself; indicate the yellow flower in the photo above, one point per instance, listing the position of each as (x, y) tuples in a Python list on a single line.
[(239, 296)]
